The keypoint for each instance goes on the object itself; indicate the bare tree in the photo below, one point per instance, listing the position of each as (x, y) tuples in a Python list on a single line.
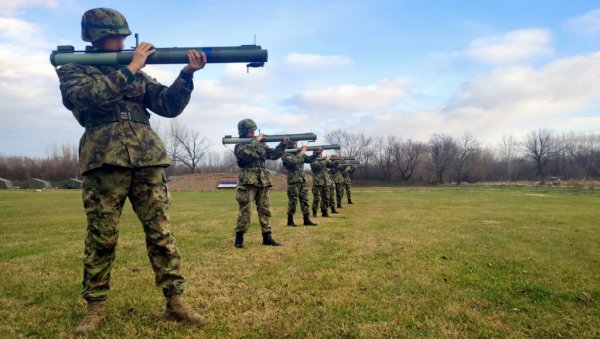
[(384, 155), (442, 150), (190, 146), (407, 156), (508, 150), (466, 146), (540, 147)]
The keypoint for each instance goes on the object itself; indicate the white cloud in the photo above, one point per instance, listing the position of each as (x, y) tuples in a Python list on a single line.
[(307, 62), (588, 23), (510, 48), (9, 6), (350, 98), (510, 99)]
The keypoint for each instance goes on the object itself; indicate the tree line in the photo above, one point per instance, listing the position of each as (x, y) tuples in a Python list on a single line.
[(540, 155)]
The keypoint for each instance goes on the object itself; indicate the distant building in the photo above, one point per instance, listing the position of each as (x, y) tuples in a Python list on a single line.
[(5, 184), (69, 184)]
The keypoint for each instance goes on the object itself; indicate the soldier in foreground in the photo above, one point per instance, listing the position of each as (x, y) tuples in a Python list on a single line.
[(254, 182), (296, 180), (122, 157), (321, 184)]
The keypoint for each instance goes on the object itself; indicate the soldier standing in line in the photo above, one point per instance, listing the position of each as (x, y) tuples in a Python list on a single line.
[(346, 173), (321, 184), (296, 180), (331, 165), (254, 182), (338, 179), (122, 157)]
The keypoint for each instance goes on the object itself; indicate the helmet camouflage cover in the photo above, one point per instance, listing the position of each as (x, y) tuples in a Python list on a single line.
[(99, 23), (245, 126)]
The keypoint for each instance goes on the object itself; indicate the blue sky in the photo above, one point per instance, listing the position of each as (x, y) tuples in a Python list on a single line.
[(403, 68)]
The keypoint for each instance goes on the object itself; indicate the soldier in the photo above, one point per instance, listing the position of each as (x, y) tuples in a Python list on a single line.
[(338, 180), (346, 173), (296, 180), (331, 165), (321, 184), (122, 157), (254, 182)]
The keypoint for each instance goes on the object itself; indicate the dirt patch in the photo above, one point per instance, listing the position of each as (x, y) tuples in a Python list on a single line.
[(208, 182)]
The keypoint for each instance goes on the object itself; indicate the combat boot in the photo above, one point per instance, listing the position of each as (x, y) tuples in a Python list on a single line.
[(339, 205), (308, 222), (239, 239), (268, 241), (314, 212), (333, 209), (179, 310), (324, 213), (350, 201), (291, 220), (95, 314)]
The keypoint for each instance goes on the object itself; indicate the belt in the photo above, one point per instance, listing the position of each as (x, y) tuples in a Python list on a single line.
[(90, 119)]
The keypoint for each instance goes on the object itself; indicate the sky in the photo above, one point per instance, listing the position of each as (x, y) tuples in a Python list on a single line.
[(402, 68)]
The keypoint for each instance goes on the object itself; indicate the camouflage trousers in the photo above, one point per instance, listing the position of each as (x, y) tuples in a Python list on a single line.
[(339, 193), (295, 192), (260, 195), (348, 188), (104, 193), (321, 194)]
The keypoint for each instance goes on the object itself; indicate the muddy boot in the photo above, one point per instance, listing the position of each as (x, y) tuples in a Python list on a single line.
[(324, 213), (291, 220), (239, 239), (95, 314), (268, 241), (339, 205), (333, 210), (307, 221), (350, 201), (179, 310), (314, 212)]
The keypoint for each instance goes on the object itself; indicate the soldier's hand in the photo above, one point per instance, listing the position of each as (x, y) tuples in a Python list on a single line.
[(304, 148), (260, 137), (196, 61), (141, 53), (328, 157)]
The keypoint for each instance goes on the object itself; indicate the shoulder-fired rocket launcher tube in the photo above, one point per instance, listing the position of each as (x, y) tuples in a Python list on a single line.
[(252, 54), (228, 139), (334, 158), (314, 148)]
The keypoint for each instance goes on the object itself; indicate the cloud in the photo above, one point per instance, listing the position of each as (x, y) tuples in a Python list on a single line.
[(587, 24), (509, 99), (350, 98), (307, 62), (9, 6), (510, 48)]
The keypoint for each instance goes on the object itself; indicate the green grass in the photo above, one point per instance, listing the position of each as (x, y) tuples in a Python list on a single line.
[(474, 262)]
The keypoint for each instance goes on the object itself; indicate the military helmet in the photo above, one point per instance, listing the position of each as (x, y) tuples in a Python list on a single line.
[(245, 126), (99, 23)]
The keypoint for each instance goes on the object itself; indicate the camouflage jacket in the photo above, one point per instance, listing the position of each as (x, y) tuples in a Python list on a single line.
[(320, 175), (347, 172), (91, 92), (251, 159), (294, 164)]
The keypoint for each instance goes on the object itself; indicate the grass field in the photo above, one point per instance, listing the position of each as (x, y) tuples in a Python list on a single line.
[(401, 262)]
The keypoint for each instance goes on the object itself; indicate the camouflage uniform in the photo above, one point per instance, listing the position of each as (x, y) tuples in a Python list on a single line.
[(121, 156), (296, 180), (254, 183), (338, 179), (321, 185), (346, 173)]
